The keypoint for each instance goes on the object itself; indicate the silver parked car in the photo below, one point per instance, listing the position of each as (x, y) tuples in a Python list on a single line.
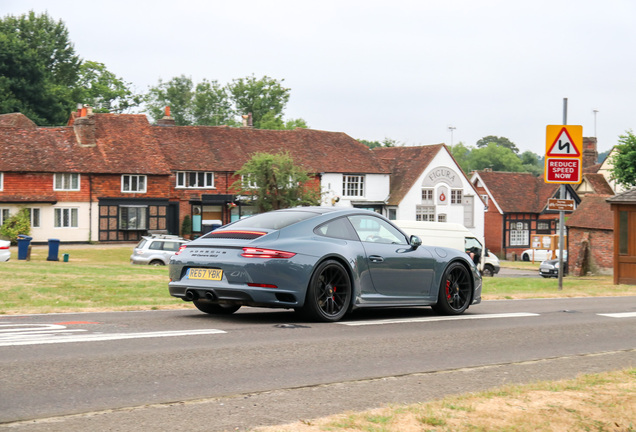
[(5, 252), (156, 249)]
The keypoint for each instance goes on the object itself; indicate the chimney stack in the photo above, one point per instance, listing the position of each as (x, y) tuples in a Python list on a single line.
[(590, 153), (167, 120), (247, 120)]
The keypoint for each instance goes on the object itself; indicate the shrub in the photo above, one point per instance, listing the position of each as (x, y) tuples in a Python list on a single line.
[(19, 223)]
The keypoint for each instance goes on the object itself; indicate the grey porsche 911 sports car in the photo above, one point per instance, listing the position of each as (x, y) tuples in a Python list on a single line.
[(322, 262)]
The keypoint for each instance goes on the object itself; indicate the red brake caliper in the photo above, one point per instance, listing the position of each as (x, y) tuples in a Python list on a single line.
[(448, 296), (333, 297)]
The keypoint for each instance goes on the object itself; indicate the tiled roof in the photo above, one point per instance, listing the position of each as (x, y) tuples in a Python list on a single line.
[(599, 184), (592, 204), (124, 144), (406, 164), (518, 192), (227, 149), (627, 197), (127, 143)]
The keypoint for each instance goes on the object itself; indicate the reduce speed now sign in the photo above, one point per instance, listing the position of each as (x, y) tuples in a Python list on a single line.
[(564, 154)]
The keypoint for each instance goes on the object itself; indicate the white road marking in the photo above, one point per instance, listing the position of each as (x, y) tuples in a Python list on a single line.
[(438, 318), (37, 334), (620, 315)]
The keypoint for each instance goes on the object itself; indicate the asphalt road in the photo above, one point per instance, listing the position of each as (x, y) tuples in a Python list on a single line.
[(184, 370)]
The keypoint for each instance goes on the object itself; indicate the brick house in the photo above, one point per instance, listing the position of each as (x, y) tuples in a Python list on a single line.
[(114, 177), (516, 209), (427, 184), (591, 239)]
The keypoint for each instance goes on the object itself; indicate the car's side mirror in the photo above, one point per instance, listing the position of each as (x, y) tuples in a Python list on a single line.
[(415, 241)]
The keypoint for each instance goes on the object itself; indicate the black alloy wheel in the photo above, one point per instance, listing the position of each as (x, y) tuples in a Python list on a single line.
[(329, 292), (455, 291), (205, 305)]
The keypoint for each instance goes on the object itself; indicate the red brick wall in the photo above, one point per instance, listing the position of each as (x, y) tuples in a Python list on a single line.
[(601, 251)]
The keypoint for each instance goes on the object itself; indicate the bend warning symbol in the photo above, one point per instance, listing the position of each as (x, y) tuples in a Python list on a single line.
[(567, 141)]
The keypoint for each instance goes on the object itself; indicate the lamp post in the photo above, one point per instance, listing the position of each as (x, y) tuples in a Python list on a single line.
[(451, 129), (594, 111)]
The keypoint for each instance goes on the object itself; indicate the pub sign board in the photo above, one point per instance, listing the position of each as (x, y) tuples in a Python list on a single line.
[(564, 154)]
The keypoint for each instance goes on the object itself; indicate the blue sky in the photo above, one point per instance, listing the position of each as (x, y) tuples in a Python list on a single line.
[(405, 70)]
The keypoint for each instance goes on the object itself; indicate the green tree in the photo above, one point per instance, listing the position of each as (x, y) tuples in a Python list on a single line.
[(38, 68), (463, 156), (178, 94), (532, 163), (103, 90), (273, 181), (499, 141), (496, 158), (386, 142), (270, 121), (19, 223), (260, 97), (211, 105), (624, 160)]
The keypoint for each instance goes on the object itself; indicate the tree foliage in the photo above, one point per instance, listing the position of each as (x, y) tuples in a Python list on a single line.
[(386, 142), (209, 103), (496, 158), (38, 68), (19, 223), (624, 160), (103, 90), (261, 97), (499, 141), (273, 181)]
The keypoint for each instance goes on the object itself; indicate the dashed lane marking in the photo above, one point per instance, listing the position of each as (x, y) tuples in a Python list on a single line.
[(620, 315)]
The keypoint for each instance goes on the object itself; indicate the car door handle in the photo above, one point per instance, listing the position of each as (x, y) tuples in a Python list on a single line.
[(376, 258)]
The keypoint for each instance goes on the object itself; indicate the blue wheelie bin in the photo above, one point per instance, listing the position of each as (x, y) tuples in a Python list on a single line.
[(24, 241), (54, 248)]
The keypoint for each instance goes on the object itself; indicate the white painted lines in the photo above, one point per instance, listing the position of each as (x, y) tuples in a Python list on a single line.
[(37, 334), (620, 315), (438, 318)]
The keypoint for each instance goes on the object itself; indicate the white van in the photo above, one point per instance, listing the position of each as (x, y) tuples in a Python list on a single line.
[(452, 235)]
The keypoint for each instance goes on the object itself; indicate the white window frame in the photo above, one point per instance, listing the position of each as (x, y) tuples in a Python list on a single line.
[(353, 185), (66, 181), (519, 233), (456, 196), (65, 217), (5, 214), (1, 181), (134, 179), (35, 216), (247, 182), (441, 217), (425, 213), (184, 179)]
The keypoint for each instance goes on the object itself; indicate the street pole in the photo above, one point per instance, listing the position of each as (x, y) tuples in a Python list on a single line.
[(561, 212)]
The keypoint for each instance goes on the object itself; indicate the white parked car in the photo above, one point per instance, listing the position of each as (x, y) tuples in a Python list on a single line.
[(540, 255), (5, 252), (156, 249)]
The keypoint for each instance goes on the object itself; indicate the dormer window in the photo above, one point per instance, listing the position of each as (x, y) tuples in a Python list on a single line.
[(133, 183), (66, 182)]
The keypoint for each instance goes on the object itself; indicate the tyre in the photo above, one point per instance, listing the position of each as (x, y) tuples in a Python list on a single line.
[(329, 293), (525, 257), (489, 271), (205, 305), (157, 263), (455, 291)]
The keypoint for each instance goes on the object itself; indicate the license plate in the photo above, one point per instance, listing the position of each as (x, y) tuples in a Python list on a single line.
[(204, 274)]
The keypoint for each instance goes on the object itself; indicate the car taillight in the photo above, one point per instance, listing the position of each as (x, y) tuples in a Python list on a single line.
[(4, 247), (181, 248), (249, 252)]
